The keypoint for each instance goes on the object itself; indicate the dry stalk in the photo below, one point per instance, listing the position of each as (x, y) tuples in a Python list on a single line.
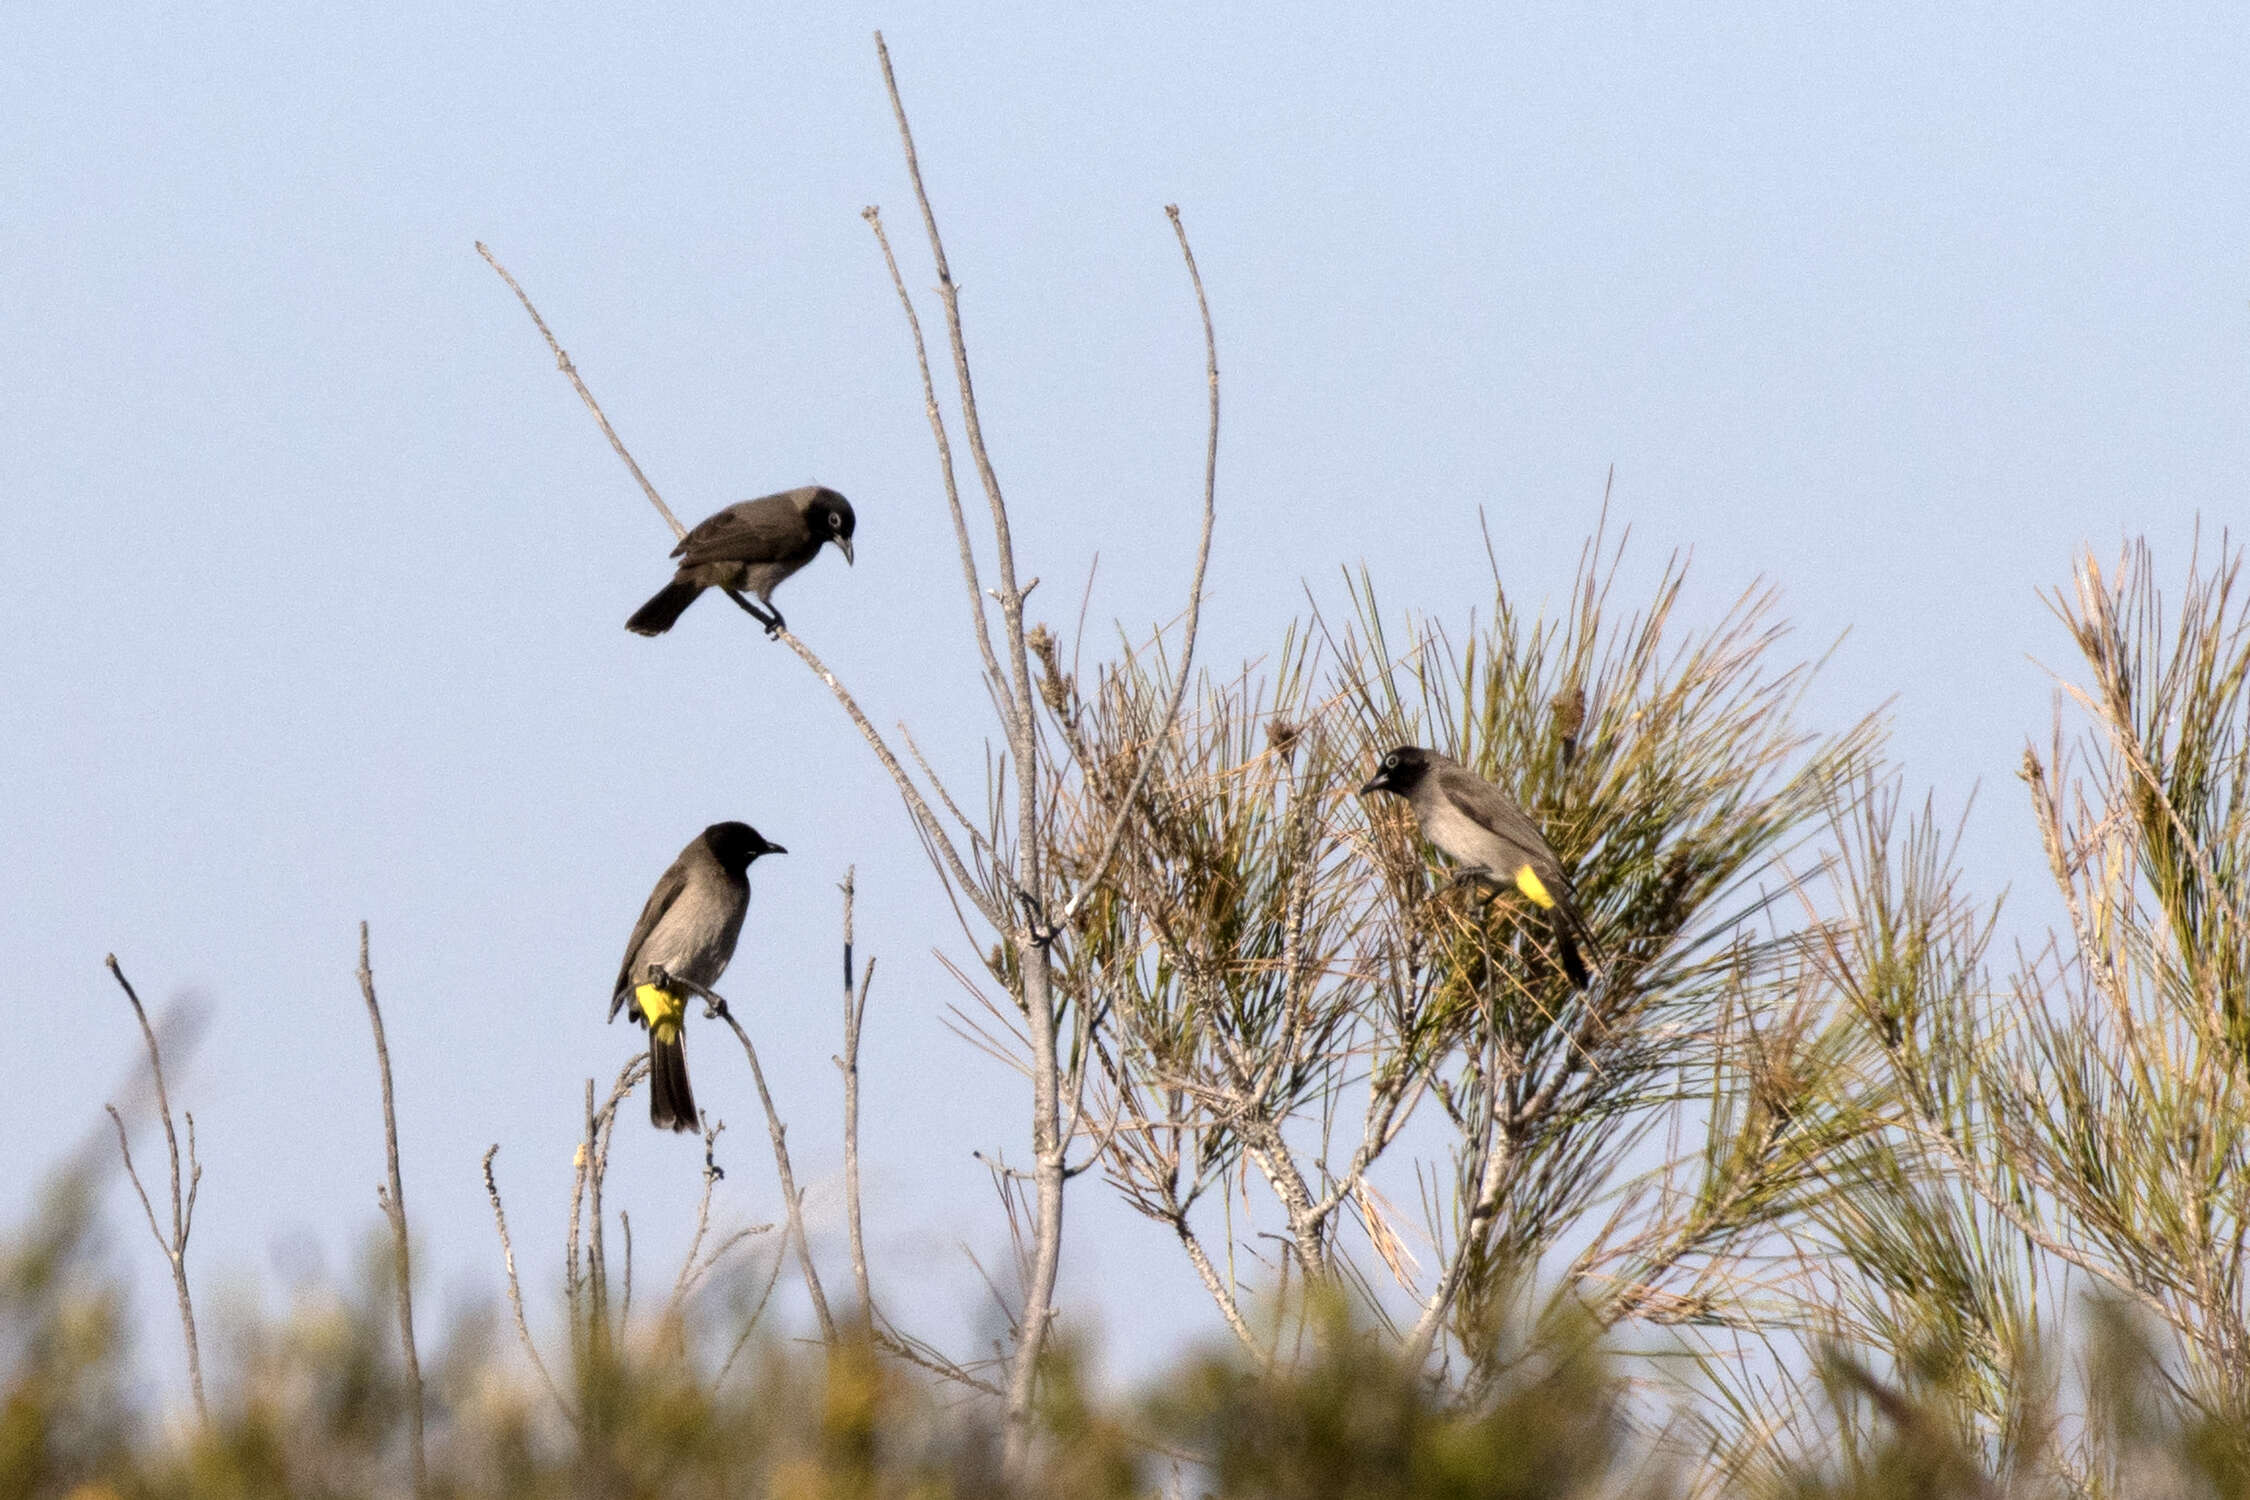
[(515, 1289), (175, 1244), (393, 1201)]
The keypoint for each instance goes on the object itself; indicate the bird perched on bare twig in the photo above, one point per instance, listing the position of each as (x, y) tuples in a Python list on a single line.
[(750, 548), (1482, 831), (681, 944)]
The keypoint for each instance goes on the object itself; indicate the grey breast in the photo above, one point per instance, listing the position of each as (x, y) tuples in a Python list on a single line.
[(695, 936), (1460, 837)]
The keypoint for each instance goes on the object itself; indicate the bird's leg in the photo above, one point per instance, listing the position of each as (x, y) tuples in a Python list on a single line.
[(1043, 933), (772, 621), (714, 1003)]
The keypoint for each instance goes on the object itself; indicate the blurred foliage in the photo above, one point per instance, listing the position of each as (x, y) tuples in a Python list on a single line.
[(311, 1403)]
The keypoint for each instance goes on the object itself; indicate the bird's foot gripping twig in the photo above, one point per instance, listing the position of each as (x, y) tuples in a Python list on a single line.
[(1043, 932), (714, 1003), (768, 617), (1476, 882)]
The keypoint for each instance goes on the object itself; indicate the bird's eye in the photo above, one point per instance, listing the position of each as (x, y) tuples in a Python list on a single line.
[(834, 520), (1390, 762)]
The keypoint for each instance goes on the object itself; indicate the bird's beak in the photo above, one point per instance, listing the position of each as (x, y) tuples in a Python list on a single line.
[(844, 545), (1380, 782), (773, 849)]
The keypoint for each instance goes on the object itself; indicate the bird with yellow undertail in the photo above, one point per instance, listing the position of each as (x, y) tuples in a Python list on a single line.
[(1487, 836)]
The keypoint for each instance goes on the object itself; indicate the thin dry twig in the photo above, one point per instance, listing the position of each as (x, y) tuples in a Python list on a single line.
[(574, 1281), (393, 1201), (855, 1011), (175, 1245), (625, 1303), (1132, 797), (515, 1290), (711, 1178), (750, 1324), (601, 1124), (932, 829), (792, 1200), (562, 363), (975, 589)]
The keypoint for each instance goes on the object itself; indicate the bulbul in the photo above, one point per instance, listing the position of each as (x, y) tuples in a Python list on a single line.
[(1482, 831), (686, 932), (750, 548)]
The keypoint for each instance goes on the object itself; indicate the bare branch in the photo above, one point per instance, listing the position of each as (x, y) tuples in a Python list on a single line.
[(581, 1164), (393, 1201), (625, 1305), (1496, 1154), (1011, 598), (601, 1125), (515, 1290), (1209, 1276), (174, 1246), (721, 1251), (855, 1011), (931, 827), (562, 363), (792, 1201), (874, 217), (711, 1177), (750, 1324)]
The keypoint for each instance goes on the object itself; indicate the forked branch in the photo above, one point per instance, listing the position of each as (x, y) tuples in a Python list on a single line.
[(175, 1244)]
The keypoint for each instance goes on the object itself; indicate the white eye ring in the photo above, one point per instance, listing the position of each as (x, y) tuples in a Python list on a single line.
[(1390, 762), (834, 520)]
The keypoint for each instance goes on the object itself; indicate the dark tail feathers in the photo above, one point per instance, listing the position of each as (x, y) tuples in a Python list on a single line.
[(656, 616), (1572, 936), (671, 1103)]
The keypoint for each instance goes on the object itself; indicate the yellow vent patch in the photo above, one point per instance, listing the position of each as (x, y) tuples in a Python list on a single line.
[(1530, 885), (662, 1009)]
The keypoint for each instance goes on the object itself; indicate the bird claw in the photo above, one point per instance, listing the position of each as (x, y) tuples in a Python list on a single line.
[(1475, 882)]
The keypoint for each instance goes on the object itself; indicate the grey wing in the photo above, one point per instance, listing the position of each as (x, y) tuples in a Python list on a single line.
[(668, 888), (754, 531), (1517, 837)]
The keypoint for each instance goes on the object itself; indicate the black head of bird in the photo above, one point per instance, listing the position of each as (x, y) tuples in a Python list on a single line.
[(736, 844), (1400, 770), (831, 518)]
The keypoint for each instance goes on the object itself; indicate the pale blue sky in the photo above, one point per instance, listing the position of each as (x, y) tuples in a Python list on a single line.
[(315, 569)]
